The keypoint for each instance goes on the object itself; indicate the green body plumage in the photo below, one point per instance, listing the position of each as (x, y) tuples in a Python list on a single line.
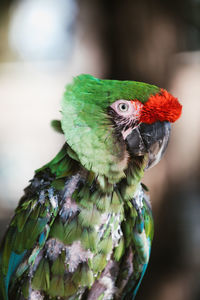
[(83, 229)]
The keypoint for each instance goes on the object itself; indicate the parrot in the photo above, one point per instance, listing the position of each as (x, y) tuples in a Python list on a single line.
[(84, 227)]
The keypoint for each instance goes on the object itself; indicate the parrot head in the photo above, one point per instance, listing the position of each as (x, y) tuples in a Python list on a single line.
[(108, 122), (145, 127)]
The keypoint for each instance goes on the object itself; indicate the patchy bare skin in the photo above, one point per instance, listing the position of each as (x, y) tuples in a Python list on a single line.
[(36, 295), (106, 283), (75, 254)]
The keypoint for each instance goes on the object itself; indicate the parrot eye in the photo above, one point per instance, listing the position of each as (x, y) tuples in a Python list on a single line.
[(123, 107)]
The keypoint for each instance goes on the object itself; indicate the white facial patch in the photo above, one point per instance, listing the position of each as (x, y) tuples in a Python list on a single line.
[(130, 109), (129, 114)]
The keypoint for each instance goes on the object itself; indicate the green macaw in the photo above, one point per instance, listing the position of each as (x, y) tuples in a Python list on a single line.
[(84, 227)]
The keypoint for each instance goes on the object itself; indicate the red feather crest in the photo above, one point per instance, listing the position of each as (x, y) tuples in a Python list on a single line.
[(161, 107)]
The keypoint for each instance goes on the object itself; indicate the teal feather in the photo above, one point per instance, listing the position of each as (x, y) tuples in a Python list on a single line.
[(14, 261), (42, 238)]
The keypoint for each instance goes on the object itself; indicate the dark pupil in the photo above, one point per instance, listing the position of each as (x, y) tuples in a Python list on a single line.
[(123, 106)]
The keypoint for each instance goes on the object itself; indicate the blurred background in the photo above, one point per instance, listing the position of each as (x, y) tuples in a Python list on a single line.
[(43, 43)]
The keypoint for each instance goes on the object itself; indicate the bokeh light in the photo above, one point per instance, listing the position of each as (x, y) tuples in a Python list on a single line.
[(42, 29)]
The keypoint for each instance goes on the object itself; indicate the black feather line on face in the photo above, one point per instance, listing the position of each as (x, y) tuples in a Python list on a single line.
[(121, 123)]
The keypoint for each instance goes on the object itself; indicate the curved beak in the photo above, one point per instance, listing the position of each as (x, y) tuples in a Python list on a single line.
[(151, 139)]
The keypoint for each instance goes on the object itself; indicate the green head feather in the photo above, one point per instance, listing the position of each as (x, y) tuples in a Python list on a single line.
[(87, 127)]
